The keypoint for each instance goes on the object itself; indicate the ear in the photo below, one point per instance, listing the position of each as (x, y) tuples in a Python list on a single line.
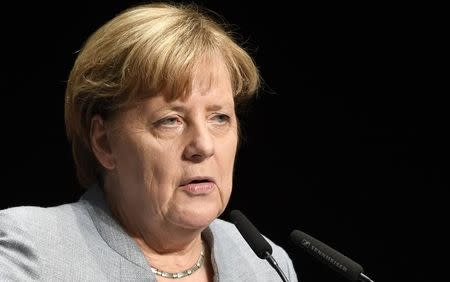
[(100, 143)]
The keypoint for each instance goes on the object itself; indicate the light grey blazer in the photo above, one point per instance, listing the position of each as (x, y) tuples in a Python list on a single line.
[(82, 242)]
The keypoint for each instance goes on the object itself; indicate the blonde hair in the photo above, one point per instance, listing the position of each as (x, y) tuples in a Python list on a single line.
[(140, 52)]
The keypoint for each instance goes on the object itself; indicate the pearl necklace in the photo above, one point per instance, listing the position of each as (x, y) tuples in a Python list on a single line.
[(184, 273)]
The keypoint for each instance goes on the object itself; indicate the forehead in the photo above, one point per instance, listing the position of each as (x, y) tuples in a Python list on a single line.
[(209, 77), (210, 83), (210, 73)]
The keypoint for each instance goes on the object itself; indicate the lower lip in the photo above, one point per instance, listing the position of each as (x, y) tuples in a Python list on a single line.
[(198, 188)]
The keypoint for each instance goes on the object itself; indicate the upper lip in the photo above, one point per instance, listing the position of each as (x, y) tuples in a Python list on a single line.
[(186, 181)]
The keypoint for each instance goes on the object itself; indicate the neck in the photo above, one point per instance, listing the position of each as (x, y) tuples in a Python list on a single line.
[(165, 246), (156, 237), (171, 259), (145, 224)]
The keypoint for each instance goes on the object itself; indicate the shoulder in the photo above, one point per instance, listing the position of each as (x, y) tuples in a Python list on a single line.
[(27, 236), (228, 231), (36, 219), (226, 237), (221, 227), (46, 229), (42, 226)]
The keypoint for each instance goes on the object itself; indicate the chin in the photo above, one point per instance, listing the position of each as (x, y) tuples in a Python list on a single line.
[(197, 217)]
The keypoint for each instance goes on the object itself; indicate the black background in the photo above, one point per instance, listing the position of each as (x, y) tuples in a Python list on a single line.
[(347, 141)]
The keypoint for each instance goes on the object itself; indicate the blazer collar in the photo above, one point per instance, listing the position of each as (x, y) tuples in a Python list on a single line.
[(224, 254), (110, 230)]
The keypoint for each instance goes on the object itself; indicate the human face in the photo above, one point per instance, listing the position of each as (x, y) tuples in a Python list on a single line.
[(174, 159)]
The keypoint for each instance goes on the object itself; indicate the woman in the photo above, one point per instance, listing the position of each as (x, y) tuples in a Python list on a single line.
[(150, 113)]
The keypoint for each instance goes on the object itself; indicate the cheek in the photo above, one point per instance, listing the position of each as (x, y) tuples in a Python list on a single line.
[(231, 147), (143, 172), (133, 156), (130, 165), (228, 154), (159, 163)]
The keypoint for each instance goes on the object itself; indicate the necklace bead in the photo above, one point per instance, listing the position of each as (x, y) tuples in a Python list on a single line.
[(184, 273)]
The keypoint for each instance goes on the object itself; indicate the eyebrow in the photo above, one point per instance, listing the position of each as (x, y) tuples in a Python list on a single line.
[(214, 107)]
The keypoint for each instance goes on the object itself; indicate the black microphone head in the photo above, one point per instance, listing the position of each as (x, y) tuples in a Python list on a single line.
[(335, 260), (256, 241)]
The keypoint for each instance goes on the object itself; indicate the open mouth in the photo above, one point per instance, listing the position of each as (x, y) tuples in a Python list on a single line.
[(199, 181), (198, 186)]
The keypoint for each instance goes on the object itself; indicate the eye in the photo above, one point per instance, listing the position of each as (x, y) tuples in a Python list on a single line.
[(171, 121), (221, 118)]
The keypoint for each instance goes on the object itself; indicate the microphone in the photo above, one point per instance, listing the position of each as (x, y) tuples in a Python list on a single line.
[(335, 260), (255, 240)]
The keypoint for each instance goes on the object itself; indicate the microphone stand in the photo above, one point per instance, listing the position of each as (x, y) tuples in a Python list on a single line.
[(363, 278), (275, 265)]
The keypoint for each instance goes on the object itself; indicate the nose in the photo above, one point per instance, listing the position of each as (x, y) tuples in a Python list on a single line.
[(200, 145)]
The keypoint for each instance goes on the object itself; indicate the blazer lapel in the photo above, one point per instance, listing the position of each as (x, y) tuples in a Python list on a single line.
[(110, 230)]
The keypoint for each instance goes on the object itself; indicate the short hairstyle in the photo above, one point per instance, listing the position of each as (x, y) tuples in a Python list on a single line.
[(140, 52)]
